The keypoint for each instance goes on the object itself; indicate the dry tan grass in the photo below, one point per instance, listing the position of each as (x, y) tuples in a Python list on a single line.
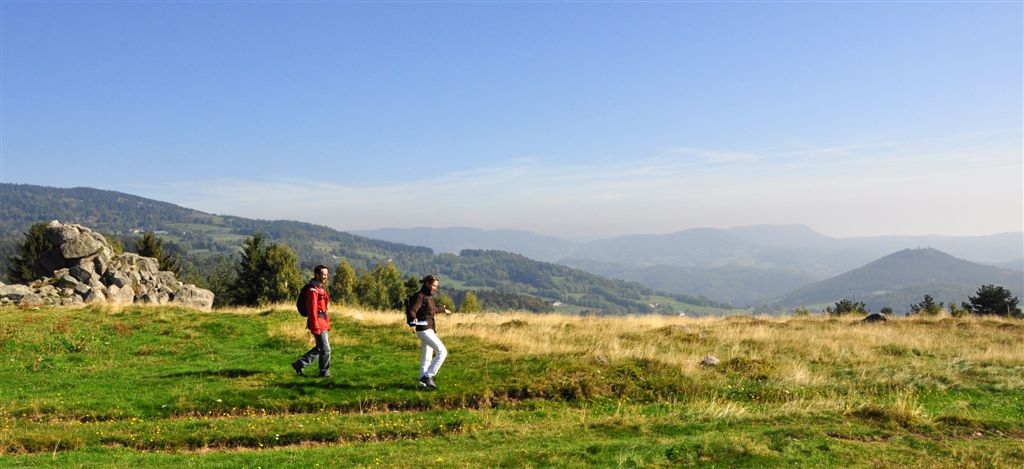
[(683, 341), (788, 352)]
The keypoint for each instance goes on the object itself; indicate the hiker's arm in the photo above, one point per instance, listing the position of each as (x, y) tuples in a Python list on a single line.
[(313, 302), (410, 312)]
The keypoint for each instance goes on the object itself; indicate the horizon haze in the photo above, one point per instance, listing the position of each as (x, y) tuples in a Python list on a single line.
[(577, 120)]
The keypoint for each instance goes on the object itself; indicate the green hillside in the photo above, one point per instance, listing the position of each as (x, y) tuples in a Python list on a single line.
[(503, 280)]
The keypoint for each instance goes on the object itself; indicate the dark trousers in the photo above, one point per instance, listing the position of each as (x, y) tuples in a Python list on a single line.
[(322, 349)]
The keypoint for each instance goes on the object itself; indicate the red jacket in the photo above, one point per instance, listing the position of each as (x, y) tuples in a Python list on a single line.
[(316, 304)]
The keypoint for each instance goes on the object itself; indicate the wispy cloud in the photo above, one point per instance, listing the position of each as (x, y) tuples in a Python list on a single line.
[(840, 189)]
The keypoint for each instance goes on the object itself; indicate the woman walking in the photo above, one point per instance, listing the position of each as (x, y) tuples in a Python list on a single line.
[(419, 312)]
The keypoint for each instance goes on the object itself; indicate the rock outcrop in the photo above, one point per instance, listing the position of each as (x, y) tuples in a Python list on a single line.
[(83, 268), (873, 318)]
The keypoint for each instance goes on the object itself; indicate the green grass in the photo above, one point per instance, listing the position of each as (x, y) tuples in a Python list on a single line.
[(170, 387), (696, 310)]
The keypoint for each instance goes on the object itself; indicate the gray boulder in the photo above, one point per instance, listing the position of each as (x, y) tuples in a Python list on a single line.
[(80, 246), (121, 295), (117, 278), (57, 233), (15, 292), (194, 297), (130, 261), (873, 318)]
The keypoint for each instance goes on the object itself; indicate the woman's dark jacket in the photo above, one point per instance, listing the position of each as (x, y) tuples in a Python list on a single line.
[(420, 308)]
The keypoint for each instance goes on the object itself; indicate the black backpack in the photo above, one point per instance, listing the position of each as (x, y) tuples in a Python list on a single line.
[(300, 302)]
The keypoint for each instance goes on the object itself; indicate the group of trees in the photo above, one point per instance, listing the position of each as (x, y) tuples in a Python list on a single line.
[(265, 273), (268, 273), (988, 300)]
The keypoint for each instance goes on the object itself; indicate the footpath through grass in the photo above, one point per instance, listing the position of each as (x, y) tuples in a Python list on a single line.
[(169, 387)]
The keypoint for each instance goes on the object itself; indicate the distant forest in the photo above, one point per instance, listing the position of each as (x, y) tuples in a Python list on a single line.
[(204, 244)]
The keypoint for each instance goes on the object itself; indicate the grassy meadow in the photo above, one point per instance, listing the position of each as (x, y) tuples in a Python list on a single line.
[(170, 387)]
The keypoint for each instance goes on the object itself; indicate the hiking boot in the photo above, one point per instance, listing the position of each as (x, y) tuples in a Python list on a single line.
[(297, 367), (427, 382)]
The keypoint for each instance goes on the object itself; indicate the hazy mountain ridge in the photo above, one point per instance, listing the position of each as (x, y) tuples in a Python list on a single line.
[(761, 266), (903, 278), (761, 246), (454, 239), (1017, 264), (512, 278), (117, 213), (737, 285), (751, 265)]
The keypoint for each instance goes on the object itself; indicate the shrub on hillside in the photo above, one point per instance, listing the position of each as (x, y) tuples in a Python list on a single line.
[(845, 306), (995, 300)]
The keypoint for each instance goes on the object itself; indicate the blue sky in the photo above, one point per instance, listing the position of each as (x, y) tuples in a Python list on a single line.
[(574, 119)]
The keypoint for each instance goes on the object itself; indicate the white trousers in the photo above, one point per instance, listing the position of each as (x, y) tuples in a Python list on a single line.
[(432, 353)]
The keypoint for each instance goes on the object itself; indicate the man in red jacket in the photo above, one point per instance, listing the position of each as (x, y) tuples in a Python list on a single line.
[(318, 324)]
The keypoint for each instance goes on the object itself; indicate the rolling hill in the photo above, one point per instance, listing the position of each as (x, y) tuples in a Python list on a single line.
[(455, 239), (749, 265), (737, 285), (903, 278), (201, 238), (795, 247), (761, 266)]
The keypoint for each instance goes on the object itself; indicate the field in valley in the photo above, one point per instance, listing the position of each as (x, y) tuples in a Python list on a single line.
[(171, 387)]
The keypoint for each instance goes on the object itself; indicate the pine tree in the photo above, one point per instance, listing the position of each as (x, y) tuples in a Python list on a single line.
[(21, 268), (267, 273), (444, 299), (221, 279), (282, 269), (149, 245), (381, 288), (469, 303), (343, 285), (392, 279), (994, 300), (412, 285), (928, 306), (370, 292)]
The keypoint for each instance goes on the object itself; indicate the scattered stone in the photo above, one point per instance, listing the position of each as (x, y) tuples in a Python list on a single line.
[(710, 360)]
